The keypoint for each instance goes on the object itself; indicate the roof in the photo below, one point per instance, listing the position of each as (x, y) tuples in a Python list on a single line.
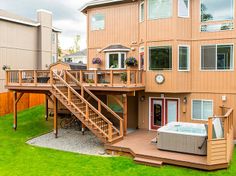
[(116, 47), (8, 16), (94, 3), (79, 53)]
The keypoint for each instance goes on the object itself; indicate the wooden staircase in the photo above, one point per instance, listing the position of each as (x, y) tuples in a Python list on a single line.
[(91, 116)]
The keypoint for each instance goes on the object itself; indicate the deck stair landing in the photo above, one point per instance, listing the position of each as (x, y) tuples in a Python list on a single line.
[(91, 116), (148, 162)]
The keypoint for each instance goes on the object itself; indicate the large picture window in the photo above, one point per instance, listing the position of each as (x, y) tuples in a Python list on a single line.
[(160, 58), (215, 10), (183, 8), (202, 109), (159, 9), (217, 57), (116, 60), (97, 22), (184, 58)]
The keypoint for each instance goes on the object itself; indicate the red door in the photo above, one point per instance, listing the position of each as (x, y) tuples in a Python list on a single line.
[(157, 113)]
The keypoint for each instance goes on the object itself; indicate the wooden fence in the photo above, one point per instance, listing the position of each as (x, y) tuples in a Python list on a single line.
[(28, 100)]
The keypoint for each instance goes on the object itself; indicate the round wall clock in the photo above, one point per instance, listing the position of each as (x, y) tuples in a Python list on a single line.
[(160, 79)]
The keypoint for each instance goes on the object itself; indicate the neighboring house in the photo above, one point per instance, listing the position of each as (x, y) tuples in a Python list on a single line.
[(78, 57), (25, 43)]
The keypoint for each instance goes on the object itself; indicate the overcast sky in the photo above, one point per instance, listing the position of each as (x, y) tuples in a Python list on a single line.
[(66, 16)]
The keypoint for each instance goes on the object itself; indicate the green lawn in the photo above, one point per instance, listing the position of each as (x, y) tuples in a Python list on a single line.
[(18, 158)]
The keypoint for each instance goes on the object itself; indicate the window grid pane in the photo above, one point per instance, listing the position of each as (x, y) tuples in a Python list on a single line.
[(197, 109), (97, 22), (183, 8), (208, 57), (207, 110), (164, 8), (183, 58)]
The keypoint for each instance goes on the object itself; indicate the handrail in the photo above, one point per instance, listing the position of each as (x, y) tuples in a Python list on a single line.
[(83, 99), (95, 97)]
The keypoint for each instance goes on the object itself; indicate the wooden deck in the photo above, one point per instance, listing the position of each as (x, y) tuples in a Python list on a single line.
[(138, 144)]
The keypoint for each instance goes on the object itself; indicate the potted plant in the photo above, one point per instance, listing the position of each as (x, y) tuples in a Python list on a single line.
[(96, 62), (123, 77), (131, 62), (5, 67)]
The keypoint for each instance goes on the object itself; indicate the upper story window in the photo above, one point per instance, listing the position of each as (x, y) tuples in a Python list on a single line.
[(116, 60), (183, 8), (97, 22), (202, 109), (159, 9), (160, 58), (184, 58), (217, 10), (141, 12), (217, 57)]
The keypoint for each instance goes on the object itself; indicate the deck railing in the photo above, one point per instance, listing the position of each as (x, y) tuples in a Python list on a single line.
[(106, 78), (220, 150), (110, 78)]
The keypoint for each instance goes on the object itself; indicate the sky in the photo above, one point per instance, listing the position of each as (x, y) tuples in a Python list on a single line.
[(66, 16)]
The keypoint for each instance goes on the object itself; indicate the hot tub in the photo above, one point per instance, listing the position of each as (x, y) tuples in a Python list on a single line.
[(183, 137)]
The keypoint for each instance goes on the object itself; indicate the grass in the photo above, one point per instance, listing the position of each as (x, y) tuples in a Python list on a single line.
[(18, 158)]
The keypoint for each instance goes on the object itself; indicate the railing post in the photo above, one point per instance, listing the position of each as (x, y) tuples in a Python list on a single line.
[(136, 77), (110, 132), (65, 76), (111, 78), (20, 77), (128, 77), (80, 76), (121, 128), (76, 75), (209, 141), (95, 78), (7, 78), (210, 129), (82, 91), (143, 77), (51, 77), (99, 106), (87, 113), (35, 77), (69, 96)]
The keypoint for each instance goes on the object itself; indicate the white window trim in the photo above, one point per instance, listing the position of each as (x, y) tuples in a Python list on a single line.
[(189, 58), (217, 70), (119, 60), (148, 59), (202, 100), (215, 20), (91, 22), (140, 10), (161, 17), (188, 10)]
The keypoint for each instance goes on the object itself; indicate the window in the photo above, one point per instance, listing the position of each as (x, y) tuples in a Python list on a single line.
[(212, 10), (202, 109), (183, 8), (152, 9), (184, 58), (116, 60), (217, 57), (217, 27), (141, 13), (159, 9), (160, 58), (53, 38), (97, 22), (54, 58)]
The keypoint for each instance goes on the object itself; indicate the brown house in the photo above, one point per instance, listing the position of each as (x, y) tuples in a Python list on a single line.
[(152, 63)]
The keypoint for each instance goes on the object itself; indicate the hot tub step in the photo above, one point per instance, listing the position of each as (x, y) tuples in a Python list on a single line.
[(148, 162)]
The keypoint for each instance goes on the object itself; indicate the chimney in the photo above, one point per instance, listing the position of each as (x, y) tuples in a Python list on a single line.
[(45, 38)]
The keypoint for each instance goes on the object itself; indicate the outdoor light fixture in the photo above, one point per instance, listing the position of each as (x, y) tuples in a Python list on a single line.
[(185, 100), (142, 98)]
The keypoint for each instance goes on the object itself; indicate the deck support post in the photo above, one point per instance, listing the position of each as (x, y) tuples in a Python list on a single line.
[(15, 110), (46, 107), (125, 113), (55, 116), (83, 128)]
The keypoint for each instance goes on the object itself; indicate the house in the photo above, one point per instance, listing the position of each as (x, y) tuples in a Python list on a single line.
[(184, 73), (78, 57), (25, 44)]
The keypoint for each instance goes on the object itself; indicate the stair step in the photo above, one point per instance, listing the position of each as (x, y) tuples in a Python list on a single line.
[(148, 162)]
